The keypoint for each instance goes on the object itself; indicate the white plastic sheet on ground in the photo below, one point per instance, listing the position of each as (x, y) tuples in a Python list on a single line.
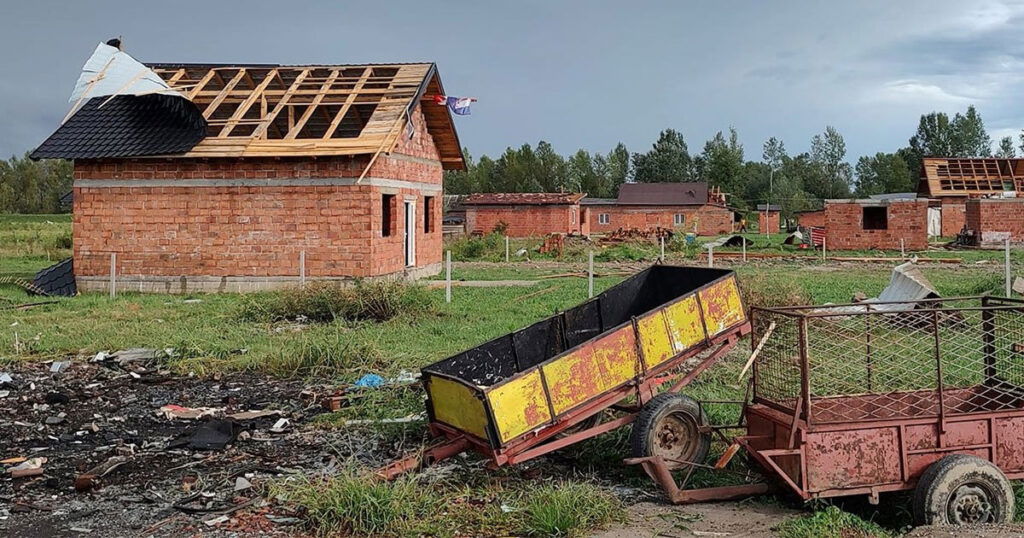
[(111, 71)]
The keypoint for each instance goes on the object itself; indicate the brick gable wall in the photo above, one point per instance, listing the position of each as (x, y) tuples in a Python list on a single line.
[(524, 220), (907, 220), (771, 223)]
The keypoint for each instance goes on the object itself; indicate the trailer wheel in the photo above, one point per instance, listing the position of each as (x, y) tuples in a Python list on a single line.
[(963, 490), (669, 426)]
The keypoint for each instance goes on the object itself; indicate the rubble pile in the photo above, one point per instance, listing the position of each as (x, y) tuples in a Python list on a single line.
[(118, 445)]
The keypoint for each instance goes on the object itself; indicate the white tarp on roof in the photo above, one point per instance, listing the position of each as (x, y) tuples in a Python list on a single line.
[(111, 71)]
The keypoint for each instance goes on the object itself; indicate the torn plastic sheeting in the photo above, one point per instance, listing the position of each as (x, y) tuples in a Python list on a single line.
[(794, 238), (729, 241), (111, 71)]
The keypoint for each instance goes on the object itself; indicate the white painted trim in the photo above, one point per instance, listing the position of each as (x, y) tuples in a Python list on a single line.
[(290, 182)]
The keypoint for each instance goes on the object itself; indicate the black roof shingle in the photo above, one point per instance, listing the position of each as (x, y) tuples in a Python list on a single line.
[(126, 126)]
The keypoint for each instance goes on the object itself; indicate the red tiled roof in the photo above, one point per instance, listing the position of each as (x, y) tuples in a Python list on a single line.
[(523, 198), (663, 194)]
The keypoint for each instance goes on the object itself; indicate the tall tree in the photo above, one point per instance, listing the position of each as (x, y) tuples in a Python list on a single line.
[(969, 136), (722, 162), (618, 168), (584, 176), (883, 173), (1006, 149), (667, 161), (552, 172), (934, 136), (28, 186), (827, 152)]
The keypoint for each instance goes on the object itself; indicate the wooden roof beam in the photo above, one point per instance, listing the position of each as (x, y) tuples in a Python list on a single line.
[(347, 104), (244, 107), (295, 130), (212, 107), (269, 118)]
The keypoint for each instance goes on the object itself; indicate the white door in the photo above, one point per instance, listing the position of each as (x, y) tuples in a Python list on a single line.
[(410, 233)]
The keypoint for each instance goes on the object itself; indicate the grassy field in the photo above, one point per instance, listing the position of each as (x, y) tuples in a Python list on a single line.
[(212, 333)]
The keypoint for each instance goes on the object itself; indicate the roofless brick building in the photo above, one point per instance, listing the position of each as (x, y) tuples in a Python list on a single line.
[(246, 177)]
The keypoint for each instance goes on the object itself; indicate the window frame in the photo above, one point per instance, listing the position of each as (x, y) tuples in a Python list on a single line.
[(387, 214)]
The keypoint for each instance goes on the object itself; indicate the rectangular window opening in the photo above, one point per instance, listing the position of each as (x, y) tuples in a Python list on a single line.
[(602, 218), (387, 212), (679, 219), (876, 218), (428, 214)]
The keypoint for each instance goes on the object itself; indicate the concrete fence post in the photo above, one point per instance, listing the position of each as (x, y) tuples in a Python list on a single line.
[(1009, 270), (506, 249), (824, 256), (113, 275), (903, 248), (448, 277), (590, 274), (662, 240), (744, 243), (711, 256), (302, 268)]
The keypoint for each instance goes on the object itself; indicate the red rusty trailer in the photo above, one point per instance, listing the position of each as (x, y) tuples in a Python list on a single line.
[(886, 396)]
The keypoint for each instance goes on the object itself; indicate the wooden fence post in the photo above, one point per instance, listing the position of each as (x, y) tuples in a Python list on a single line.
[(113, 275), (590, 274)]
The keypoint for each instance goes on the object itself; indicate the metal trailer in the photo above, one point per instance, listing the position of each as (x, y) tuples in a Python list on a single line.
[(547, 386), (886, 396)]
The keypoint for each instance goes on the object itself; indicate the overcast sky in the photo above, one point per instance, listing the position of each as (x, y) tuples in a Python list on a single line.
[(578, 74)]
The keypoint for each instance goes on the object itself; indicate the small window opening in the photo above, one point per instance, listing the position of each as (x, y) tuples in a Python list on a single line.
[(387, 212), (679, 219), (603, 218), (876, 218), (428, 214)]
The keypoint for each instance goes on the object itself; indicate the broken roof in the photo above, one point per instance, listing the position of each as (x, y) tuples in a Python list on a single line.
[(523, 198), (766, 207), (966, 177), (663, 194), (267, 110)]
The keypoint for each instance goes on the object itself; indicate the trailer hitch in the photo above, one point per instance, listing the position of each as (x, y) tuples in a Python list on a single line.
[(655, 468)]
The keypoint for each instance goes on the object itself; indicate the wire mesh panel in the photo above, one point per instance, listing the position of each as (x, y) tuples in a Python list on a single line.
[(777, 367), (874, 361)]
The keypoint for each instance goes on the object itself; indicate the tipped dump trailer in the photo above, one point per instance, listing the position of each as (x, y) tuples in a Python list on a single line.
[(546, 386)]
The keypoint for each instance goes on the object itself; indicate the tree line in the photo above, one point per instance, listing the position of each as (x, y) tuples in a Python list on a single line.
[(28, 186), (794, 181)]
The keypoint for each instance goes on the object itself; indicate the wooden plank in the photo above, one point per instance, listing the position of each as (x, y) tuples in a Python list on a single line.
[(243, 108), (212, 107), (200, 85), (294, 132)]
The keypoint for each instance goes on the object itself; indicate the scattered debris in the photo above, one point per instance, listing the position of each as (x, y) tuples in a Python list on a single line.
[(59, 366), (29, 467), (251, 415), (370, 380), (187, 413), (280, 425), (638, 234), (242, 484), (730, 241), (211, 435), (1018, 285)]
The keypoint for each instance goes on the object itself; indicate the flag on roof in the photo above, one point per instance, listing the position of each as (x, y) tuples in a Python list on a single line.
[(458, 105)]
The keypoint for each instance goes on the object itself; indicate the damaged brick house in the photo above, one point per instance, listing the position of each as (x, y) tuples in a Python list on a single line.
[(525, 214), (951, 182), (244, 177), (887, 223), (689, 207)]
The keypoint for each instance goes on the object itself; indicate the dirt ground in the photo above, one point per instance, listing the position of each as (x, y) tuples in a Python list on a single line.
[(744, 519), (104, 417)]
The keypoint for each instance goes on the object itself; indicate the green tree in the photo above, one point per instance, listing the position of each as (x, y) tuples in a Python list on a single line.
[(969, 138), (722, 162), (827, 152), (667, 161), (584, 175), (883, 173), (1006, 149), (618, 168), (28, 186), (551, 169), (934, 137)]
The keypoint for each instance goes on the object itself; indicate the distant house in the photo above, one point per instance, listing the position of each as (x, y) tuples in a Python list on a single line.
[(242, 177), (688, 207), (525, 214), (876, 224), (768, 217), (950, 182)]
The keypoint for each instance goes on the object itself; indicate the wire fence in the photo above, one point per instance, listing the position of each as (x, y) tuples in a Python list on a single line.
[(892, 360)]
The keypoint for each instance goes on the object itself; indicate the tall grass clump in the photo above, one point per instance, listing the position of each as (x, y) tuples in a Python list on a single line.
[(355, 504), (568, 509), (830, 523), (758, 289), (322, 302), (469, 248)]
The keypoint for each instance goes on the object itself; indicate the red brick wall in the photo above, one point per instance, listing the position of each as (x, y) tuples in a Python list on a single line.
[(811, 219), (953, 216), (708, 219), (227, 229), (524, 220), (995, 220), (771, 223), (907, 220)]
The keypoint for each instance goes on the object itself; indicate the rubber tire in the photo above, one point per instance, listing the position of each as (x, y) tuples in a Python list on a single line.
[(661, 406), (941, 480)]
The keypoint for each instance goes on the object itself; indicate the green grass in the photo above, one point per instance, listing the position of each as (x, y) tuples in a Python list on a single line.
[(353, 503), (31, 242), (830, 523)]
